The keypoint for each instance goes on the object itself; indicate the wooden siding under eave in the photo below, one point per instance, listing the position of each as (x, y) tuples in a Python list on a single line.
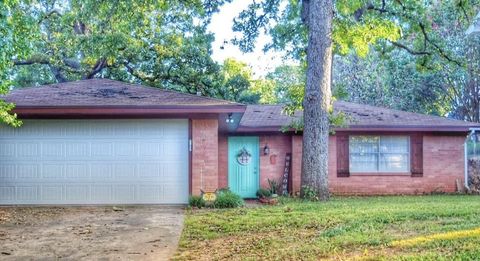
[(455, 130), (118, 112)]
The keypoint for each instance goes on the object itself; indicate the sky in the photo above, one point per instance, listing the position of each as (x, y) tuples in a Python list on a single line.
[(221, 26)]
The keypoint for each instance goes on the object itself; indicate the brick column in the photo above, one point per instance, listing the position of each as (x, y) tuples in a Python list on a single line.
[(297, 147), (204, 155)]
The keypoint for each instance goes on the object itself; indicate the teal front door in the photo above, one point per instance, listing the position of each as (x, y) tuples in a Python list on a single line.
[(243, 165)]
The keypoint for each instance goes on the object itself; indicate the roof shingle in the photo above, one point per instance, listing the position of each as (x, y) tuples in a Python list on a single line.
[(358, 115), (103, 92)]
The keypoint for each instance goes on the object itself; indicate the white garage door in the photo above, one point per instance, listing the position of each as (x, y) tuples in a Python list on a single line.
[(94, 162)]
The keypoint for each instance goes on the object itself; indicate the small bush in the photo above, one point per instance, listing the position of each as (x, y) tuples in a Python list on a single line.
[(228, 199), (273, 184), (308, 193), (196, 201), (263, 193)]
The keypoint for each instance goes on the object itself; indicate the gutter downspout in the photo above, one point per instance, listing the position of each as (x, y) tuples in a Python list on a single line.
[(465, 147)]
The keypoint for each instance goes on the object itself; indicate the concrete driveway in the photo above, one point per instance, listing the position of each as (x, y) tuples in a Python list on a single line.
[(99, 233)]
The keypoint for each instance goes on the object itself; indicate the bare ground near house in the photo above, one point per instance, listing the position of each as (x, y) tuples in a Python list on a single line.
[(101, 233)]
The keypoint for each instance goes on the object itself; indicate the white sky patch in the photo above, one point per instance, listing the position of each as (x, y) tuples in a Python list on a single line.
[(221, 26)]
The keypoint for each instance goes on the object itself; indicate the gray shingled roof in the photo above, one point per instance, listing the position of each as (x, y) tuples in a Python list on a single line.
[(103, 92), (359, 116)]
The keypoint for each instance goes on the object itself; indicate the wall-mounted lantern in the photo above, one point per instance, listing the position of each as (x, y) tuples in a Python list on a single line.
[(266, 150), (229, 118)]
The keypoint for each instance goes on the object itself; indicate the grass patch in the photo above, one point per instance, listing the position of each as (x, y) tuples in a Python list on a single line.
[(366, 228)]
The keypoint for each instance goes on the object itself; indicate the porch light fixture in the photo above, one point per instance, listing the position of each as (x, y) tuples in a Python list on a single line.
[(229, 118), (266, 150)]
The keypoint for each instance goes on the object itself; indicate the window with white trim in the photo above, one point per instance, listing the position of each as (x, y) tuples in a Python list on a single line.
[(388, 154)]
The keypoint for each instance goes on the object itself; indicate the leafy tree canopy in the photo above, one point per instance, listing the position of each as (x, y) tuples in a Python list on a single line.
[(159, 43), (390, 28)]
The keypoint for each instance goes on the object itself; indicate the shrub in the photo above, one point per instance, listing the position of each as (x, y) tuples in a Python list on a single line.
[(308, 193), (273, 184), (263, 193), (228, 199), (196, 201)]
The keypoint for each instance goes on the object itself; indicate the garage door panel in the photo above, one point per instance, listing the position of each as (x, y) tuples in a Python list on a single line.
[(52, 149), (27, 192), (102, 193), (102, 171), (124, 193), (77, 150), (53, 172), (52, 192), (102, 150), (94, 162), (125, 149), (125, 171)]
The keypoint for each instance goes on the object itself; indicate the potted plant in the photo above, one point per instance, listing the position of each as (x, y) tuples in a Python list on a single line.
[(263, 195), (273, 187)]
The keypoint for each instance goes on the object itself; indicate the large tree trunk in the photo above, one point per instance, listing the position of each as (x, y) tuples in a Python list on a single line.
[(317, 15)]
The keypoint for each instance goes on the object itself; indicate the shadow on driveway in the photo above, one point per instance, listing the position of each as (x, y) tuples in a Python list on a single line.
[(120, 233)]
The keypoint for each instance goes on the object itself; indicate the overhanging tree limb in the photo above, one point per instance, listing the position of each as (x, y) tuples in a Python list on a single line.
[(98, 67), (409, 50)]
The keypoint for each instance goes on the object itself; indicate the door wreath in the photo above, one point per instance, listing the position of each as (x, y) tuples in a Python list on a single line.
[(243, 156)]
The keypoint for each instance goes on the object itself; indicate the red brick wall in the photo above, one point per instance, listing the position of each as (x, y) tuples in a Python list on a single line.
[(222, 161), (442, 165), (296, 163), (272, 165), (204, 155)]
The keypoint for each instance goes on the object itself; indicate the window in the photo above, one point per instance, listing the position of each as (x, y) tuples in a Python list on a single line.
[(379, 153)]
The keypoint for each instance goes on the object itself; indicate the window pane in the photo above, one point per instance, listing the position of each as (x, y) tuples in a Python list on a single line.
[(394, 163), (364, 144), (379, 153), (394, 144), (363, 153), (394, 154), (366, 162)]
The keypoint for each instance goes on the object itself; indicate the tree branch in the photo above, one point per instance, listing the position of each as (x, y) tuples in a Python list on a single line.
[(48, 15), (304, 12), (410, 51), (57, 73), (98, 67), (427, 39), (137, 74), (35, 60)]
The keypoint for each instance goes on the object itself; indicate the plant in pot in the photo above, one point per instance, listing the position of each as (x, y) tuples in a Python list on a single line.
[(273, 187), (264, 195)]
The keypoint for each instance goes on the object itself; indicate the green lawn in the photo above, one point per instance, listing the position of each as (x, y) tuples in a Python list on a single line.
[(369, 228)]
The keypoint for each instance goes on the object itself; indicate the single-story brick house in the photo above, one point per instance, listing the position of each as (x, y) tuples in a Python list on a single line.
[(107, 142)]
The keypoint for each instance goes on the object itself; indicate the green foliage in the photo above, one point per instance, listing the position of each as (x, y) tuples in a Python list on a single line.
[(273, 186), (158, 43), (343, 228), (359, 37), (263, 193), (389, 81), (237, 82), (16, 31), (410, 42), (308, 193), (196, 201), (228, 199)]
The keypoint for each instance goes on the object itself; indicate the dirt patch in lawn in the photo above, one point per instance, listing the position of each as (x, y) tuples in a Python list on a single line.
[(125, 233), (249, 246)]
